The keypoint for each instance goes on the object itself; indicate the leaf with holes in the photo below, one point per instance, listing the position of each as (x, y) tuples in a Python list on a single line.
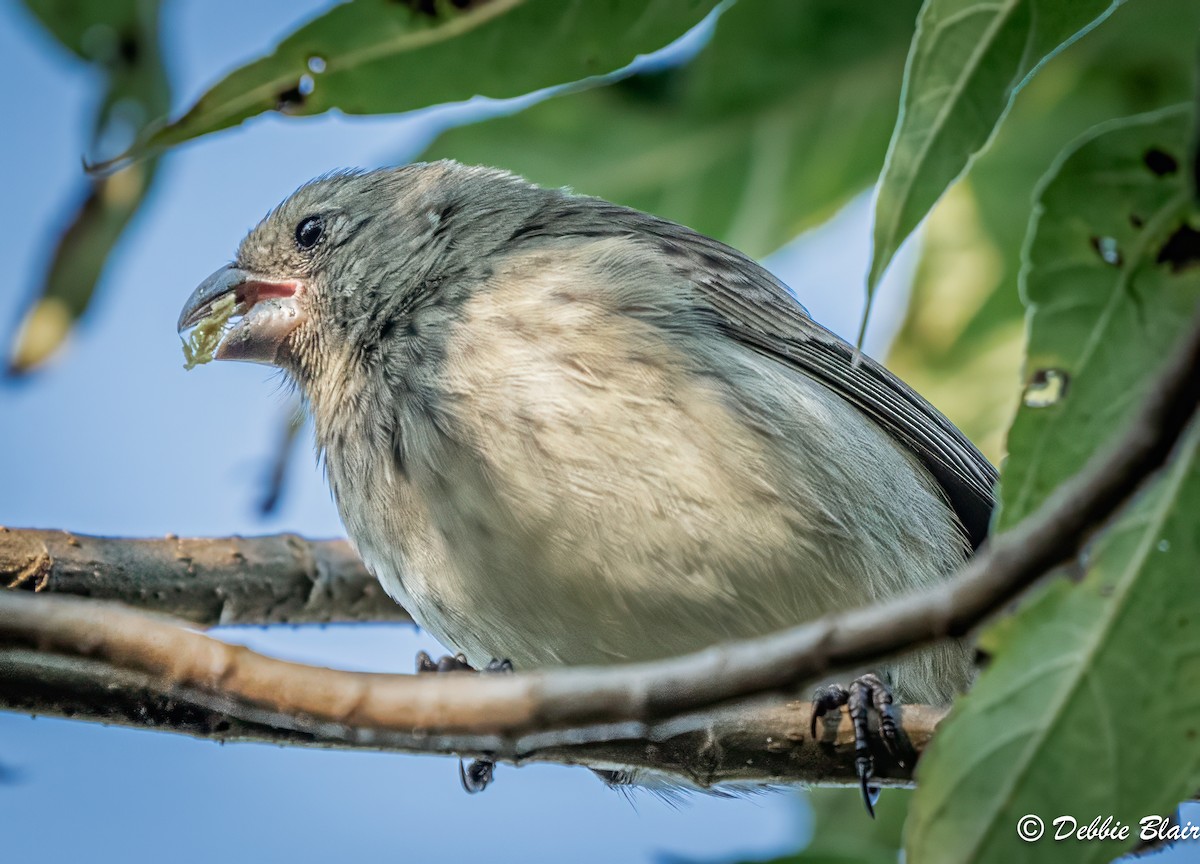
[(962, 341), (967, 61), (780, 120), (384, 56), (1112, 279), (1090, 704)]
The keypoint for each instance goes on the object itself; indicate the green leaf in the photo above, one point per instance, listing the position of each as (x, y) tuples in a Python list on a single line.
[(779, 121), (1108, 292), (120, 40), (962, 342), (1091, 706), (968, 59), (843, 833), (382, 56)]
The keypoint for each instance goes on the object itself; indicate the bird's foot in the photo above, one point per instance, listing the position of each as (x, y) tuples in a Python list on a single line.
[(865, 693), (445, 663), (479, 774)]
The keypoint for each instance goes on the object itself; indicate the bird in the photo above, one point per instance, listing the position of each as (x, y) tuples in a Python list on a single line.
[(564, 432)]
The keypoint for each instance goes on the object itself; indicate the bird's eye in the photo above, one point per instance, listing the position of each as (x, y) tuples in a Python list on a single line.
[(309, 231)]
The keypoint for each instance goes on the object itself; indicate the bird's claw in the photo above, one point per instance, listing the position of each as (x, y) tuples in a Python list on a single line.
[(476, 776), (479, 774), (866, 693), (870, 792), (445, 663)]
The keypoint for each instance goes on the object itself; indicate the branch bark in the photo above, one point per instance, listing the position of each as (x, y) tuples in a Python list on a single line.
[(283, 579), (566, 708), (750, 743)]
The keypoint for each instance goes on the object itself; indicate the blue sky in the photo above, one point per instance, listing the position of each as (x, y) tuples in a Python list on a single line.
[(115, 438)]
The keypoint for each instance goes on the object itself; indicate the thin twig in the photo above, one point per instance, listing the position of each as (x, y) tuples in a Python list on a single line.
[(285, 448)]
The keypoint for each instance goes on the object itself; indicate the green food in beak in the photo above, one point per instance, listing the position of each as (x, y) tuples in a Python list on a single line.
[(201, 343)]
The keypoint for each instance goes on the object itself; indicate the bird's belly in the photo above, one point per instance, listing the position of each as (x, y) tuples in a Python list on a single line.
[(632, 580), (648, 567), (601, 498), (588, 489)]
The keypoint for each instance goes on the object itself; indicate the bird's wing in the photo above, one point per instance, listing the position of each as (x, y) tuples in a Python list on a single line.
[(753, 307)]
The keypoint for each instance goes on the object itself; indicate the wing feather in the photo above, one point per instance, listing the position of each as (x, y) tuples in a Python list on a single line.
[(752, 306)]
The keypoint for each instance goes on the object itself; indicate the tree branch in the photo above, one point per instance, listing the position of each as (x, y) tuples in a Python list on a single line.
[(567, 707), (282, 579), (763, 743)]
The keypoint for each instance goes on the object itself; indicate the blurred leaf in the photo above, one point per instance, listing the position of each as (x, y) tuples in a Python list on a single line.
[(779, 121), (1106, 297), (959, 270), (92, 29), (1082, 712), (120, 39), (75, 269), (384, 56), (843, 833), (961, 343), (968, 60)]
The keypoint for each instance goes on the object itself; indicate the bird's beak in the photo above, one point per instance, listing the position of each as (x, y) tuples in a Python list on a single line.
[(268, 308)]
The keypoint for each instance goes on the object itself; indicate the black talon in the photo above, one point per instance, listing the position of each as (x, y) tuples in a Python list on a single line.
[(870, 794)]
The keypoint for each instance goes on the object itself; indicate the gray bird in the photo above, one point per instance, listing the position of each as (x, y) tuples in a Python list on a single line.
[(561, 431)]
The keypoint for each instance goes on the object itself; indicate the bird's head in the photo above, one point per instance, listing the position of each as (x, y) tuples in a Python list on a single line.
[(342, 268)]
